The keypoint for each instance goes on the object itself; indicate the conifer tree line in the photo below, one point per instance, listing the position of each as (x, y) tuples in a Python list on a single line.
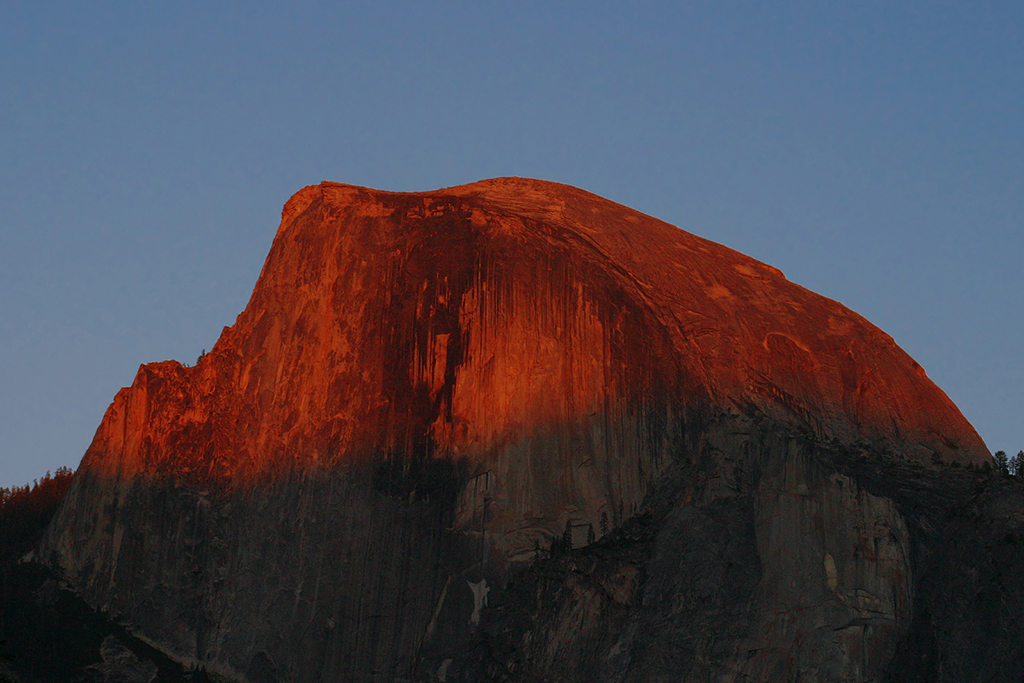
[(50, 486), (26, 510), (1013, 467)]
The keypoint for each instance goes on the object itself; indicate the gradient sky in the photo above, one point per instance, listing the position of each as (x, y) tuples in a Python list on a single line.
[(873, 151)]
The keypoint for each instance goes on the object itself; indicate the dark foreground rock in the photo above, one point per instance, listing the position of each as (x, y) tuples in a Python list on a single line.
[(676, 594), (48, 634)]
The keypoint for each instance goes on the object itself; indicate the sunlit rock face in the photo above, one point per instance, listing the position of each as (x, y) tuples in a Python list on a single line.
[(432, 394)]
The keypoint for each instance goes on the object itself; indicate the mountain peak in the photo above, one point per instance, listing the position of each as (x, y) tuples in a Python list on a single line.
[(477, 376)]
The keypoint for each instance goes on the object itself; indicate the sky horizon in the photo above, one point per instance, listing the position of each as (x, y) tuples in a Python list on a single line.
[(873, 154)]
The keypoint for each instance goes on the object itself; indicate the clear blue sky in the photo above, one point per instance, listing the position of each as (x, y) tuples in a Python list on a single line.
[(874, 151)]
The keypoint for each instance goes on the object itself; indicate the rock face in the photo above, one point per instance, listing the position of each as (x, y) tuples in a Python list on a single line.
[(514, 431)]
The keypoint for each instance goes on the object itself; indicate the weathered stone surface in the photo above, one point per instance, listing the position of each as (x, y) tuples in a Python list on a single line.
[(120, 665), (428, 392), (925, 580)]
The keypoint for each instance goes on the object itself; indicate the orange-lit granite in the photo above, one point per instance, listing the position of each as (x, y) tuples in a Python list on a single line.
[(427, 390), (464, 322)]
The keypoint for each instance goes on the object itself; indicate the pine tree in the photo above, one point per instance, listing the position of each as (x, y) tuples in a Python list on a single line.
[(1002, 465), (1016, 464)]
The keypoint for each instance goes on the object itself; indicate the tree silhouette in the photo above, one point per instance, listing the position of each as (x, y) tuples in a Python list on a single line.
[(26, 510), (1002, 465), (1016, 464)]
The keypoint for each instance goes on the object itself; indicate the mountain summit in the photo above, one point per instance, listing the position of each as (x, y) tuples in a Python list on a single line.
[(435, 399)]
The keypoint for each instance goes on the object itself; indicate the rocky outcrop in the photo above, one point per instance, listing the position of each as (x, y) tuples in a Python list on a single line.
[(120, 665), (823, 565), (433, 395)]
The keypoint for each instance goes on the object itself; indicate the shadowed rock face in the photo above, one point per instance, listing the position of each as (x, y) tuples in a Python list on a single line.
[(432, 394)]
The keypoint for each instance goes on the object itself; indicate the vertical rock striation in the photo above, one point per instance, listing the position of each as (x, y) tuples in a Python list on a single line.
[(433, 394)]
